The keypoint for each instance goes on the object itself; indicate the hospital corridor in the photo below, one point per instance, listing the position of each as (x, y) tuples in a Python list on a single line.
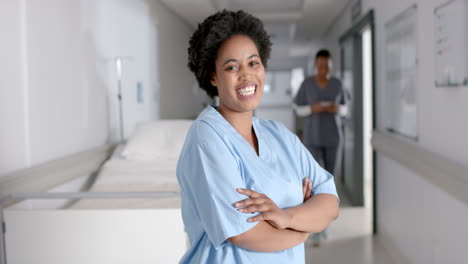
[(211, 131)]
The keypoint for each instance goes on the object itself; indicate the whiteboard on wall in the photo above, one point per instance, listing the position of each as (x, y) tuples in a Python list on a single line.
[(401, 110), (450, 44)]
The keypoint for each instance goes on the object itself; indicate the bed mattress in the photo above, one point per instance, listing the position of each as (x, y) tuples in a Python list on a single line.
[(120, 175)]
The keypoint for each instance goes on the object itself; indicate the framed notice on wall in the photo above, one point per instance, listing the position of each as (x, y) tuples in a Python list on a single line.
[(450, 37), (401, 109)]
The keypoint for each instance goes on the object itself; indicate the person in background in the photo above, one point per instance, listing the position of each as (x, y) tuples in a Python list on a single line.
[(245, 183), (321, 100)]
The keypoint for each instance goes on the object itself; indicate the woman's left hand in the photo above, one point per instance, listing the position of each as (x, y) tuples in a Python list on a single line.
[(269, 211), (307, 189), (332, 108)]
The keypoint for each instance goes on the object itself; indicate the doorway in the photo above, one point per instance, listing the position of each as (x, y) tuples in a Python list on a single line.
[(358, 75)]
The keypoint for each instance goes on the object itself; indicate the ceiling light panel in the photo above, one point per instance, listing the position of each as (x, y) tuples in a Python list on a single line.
[(262, 6)]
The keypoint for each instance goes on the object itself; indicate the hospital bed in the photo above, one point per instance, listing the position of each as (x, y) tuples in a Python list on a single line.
[(128, 212)]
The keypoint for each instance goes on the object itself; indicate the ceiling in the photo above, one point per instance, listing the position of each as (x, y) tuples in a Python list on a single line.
[(292, 24)]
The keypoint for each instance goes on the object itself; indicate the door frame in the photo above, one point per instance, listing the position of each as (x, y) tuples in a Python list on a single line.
[(356, 28)]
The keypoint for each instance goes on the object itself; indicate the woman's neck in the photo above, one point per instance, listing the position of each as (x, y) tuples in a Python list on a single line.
[(241, 121), (322, 81), (322, 78)]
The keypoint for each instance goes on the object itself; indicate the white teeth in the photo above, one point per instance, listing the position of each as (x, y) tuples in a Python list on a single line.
[(249, 90)]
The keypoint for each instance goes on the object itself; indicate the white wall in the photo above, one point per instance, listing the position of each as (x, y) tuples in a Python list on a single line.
[(422, 221), (67, 110), (58, 75), (179, 92), (128, 29), (13, 128)]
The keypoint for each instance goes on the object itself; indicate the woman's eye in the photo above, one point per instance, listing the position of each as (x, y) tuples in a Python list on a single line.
[(231, 68), (254, 63)]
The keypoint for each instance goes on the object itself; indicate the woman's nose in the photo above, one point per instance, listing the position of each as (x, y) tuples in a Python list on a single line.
[(244, 73)]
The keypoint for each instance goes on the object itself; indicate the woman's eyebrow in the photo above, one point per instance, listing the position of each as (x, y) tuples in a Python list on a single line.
[(235, 60), (229, 60), (253, 55)]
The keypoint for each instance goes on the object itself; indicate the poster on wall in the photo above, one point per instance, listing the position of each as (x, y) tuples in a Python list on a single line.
[(401, 110), (450, 44)]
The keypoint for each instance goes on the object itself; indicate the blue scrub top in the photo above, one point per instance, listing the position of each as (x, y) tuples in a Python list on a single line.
[(215, 160)]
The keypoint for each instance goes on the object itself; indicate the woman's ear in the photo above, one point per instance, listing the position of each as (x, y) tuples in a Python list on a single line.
[(213, 79)]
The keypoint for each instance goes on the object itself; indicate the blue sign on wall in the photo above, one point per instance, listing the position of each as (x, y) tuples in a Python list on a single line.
[(139, 93)]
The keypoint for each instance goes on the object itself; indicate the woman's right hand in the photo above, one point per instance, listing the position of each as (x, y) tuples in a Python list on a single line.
[(317, 108), (306, 189), (332, 108), (261, 203)]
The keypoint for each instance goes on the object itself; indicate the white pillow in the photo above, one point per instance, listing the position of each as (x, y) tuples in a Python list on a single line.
[(156, 140)]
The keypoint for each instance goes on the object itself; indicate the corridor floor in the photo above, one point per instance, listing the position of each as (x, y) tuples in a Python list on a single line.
[(350, 240)]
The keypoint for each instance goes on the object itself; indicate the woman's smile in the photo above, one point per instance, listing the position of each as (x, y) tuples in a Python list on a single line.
[(246, 91)]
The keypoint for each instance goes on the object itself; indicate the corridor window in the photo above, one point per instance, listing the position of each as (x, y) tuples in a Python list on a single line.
[(297, 77), (268, 86)]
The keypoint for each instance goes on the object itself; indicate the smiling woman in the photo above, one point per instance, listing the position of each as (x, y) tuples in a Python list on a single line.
[(239, 75), (246, 183)]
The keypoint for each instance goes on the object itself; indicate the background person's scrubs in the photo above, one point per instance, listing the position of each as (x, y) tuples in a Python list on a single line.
[(215, 161), (322, 131)]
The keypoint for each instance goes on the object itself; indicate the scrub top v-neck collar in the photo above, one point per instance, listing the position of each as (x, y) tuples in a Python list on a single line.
[(320, 87), (228, 128)]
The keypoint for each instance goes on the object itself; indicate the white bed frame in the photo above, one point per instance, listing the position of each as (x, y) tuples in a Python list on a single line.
[(61, 235)]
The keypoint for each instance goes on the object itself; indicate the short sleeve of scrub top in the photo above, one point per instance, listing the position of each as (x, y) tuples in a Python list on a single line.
[(215, 160), (303, 96), (214, 177)]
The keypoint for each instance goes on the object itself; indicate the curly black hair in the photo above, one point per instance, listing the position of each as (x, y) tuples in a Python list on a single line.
[(212, 32), (323, 53)]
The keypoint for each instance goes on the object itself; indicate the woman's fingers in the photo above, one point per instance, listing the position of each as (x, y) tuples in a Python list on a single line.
[(256, 203), (255, 208), (267, 209), (307, 189), (276, 220), (304, 187), (307, 196), (255, 197), (248, 192), (259, 217), (250, 201)]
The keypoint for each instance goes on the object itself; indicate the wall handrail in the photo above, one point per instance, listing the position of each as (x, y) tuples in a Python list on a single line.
[(450, 176), (84, 195)]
